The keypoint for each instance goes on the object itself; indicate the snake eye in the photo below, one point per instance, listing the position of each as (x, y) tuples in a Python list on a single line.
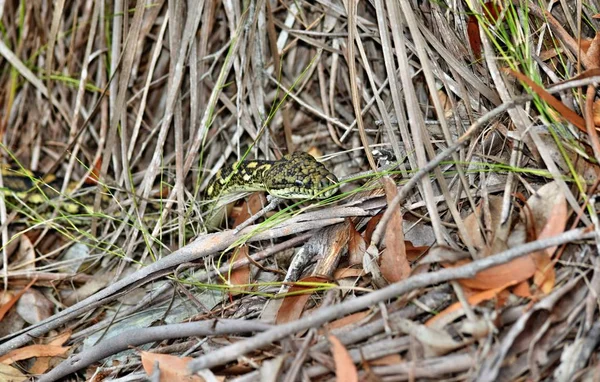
[(299, 183)]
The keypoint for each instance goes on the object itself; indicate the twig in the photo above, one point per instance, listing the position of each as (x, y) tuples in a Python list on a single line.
[(320, 317), (137, 337)]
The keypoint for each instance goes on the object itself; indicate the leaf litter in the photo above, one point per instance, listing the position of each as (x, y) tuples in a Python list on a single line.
[(461, 132)]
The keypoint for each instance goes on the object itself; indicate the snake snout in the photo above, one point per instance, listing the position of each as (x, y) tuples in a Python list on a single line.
[(328, 185)]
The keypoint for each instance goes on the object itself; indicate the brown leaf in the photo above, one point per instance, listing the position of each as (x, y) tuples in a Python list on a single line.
[(42, 364), (394, 265), (474, 222), (341, 273), (593, 52), (345, 370), (13, 300), (255, 203), (473, 300), (356, 245), (371, 225), (414, 253), (491, 11), (549, 208), (33, 351), (293, 303), (12, 374), (348, 320), (515, 271), (563, 110), (171, 368)]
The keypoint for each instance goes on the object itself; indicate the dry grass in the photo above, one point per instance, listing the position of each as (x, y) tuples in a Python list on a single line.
[(153, 100)]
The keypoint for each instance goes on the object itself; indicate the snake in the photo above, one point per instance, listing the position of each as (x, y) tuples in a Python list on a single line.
[(295, 176)]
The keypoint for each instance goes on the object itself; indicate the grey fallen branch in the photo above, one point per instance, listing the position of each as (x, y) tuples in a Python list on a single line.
[(139, 337), (322, 316)]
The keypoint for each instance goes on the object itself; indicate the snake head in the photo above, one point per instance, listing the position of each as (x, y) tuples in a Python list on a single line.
[(300, 176)]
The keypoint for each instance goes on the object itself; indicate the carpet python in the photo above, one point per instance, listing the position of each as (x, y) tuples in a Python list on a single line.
[(294, 176)]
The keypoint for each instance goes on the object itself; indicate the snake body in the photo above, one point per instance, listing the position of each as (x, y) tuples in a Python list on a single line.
[(294, 176)]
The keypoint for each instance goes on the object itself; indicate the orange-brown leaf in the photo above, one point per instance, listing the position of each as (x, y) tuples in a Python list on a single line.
[(171, 368), (6, 307), (549, 208), (345, 370), (563, 110), (293, 304), (394, 264), (356, 245), (491, 11), (33, 351), (473, 300), (593, 52), (348, 320), (515, 271)]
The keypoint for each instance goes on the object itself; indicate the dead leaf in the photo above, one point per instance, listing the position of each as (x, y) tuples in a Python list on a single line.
[(473, 300), (475, 221), (444, 254), (517, 270), (522, 290), (593, 52), (371, 225), (549, 208), (9, 373), (491, 11), (34, 307), (348, 320), (345, 370), (42, 364), (33, 351), (356, 245), (293, 303), (13, 300), (563, 110), (387, 360), (341, 273), (255, 203), (414, 253), (394, 264), (171, 368)]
